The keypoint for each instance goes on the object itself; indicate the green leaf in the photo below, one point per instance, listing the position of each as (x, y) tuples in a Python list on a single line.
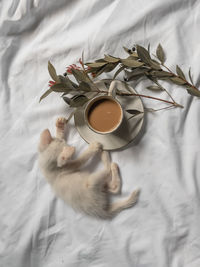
[(180, 72), (60, 88), (96, 64), (154, 88), (143, 54), (177, 80), (46, 94), (118, 71), (190, 76), (131, 63), (52, 72), (160, 54), (193, 91), (111, 59)]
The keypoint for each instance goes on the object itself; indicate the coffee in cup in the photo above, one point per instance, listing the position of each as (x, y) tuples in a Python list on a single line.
[(104, 114)]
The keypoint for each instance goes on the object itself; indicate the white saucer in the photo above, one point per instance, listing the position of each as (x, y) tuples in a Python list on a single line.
[(129, 129)]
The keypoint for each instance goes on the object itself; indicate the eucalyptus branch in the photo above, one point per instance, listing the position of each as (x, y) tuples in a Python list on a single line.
[(138, 64)]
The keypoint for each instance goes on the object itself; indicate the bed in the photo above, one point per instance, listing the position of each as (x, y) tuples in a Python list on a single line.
[(36, 228)]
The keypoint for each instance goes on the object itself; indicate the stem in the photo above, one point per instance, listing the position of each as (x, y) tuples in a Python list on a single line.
[(146, 96), (171, 106), (164, 90), (71, 115)]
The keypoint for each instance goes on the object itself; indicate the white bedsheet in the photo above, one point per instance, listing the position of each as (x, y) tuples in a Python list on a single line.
[(36, 229)]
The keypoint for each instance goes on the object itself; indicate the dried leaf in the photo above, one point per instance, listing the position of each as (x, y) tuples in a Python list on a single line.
[(78, 101), (46, 94), (109, 67), (180, 72), (193, 91), (111, 59), (52, 72), (154, 65), (80, 76), (190, 76), (143, 54), (118, 71), (127, 50), (177, 80), (99, 60), (154, 88), (69, 84), (160, 74), (96, 64), (150, 109), (149, 47), (160, 54), (85, 87), (134, 55), (60, 88), (131, 63), (135, 74), (133, 111), (66, 99)]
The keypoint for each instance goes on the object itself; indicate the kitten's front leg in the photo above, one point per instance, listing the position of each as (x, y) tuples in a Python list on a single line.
[(65, 155), (60, 127), (93, 149)]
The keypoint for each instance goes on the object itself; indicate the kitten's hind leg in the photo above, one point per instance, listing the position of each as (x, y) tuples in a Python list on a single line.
[(105, 157), (60, 127), (99, 180), (114, 186), (113, 180)]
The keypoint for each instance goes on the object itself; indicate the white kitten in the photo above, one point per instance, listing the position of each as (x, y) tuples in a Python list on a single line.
[(84, 191)]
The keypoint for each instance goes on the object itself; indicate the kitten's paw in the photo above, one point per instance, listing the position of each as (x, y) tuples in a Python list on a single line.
[(114, 166), (96, 147), (66, 155), (134, 196), (60, 123)]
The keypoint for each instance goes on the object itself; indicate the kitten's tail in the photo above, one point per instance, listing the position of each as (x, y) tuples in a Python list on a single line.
[(116, 207)]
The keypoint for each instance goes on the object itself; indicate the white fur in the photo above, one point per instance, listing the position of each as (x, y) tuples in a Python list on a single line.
[(84, 191)]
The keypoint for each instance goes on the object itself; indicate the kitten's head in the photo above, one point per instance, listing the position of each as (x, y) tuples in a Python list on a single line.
[(51, 149)]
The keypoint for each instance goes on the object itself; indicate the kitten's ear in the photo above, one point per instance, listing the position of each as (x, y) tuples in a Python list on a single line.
[(45, 139)]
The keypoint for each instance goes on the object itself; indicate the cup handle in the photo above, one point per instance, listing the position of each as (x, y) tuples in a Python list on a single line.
[(112, 89)]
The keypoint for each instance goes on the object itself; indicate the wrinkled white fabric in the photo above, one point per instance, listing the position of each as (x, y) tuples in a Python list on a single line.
[(36, 229)]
